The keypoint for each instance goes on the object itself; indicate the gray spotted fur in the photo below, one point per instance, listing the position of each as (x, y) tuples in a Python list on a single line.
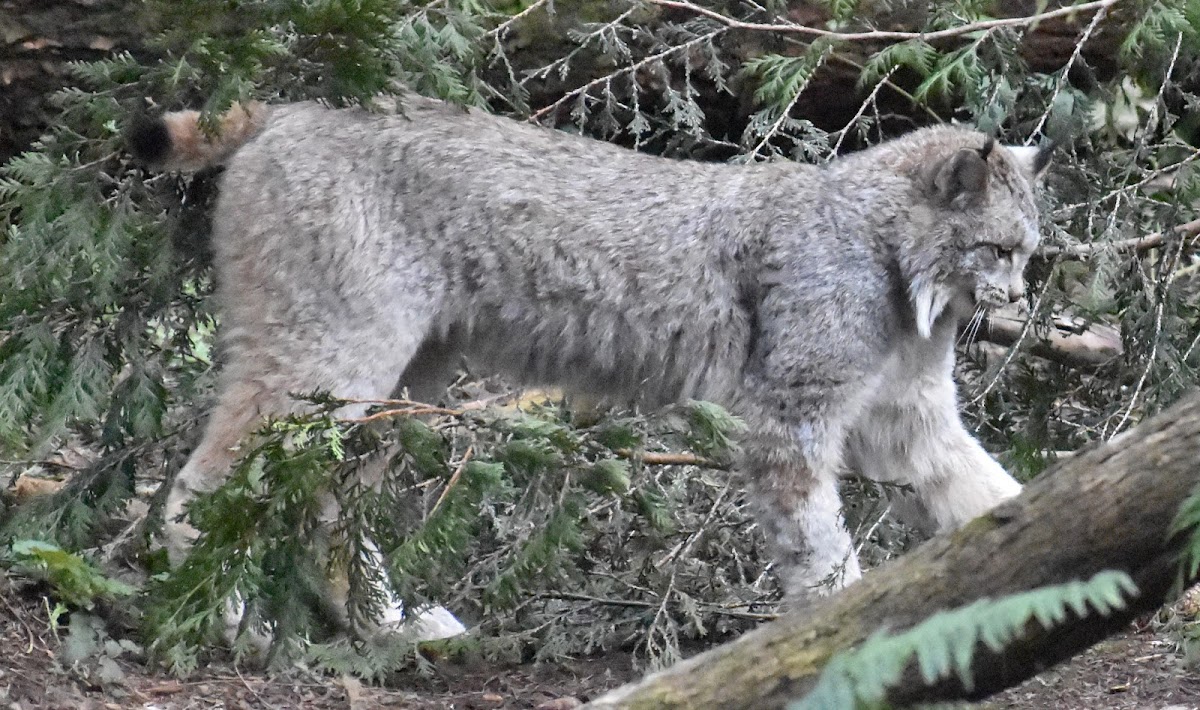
[(820, 304)]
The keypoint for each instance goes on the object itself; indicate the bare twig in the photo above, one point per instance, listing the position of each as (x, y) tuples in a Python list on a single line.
[(404, 412), (582, 43), (637, 604), (453, 479), (918, 104), (500, 29), (407, 407), (783, 115), (541, 113), (684, 547), (1062, 75), (667, 459), (20, 619), (1016, 344), (862, 108), (875, 35), (1150, 177), (871, 530), (1164, 279), (1150, 241), (255, 693)]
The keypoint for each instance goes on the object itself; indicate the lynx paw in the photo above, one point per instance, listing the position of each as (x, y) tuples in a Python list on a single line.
[(429, 623)]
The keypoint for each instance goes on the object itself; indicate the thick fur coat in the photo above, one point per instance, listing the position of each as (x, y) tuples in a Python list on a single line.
[(358, 251)]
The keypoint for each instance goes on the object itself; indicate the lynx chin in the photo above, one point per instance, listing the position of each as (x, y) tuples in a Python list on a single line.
[(363, 251)]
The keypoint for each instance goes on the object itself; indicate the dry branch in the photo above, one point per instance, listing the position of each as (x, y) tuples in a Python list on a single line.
[(1138, 244), (883, 35), (654, 458), (1107, 508), (1069, 341)]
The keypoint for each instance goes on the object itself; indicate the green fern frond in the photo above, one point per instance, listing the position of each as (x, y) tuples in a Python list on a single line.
[(1187, 523), (945, 643)]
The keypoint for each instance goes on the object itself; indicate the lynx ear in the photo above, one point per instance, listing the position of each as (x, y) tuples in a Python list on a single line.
[(964, 173), (1033, 159)]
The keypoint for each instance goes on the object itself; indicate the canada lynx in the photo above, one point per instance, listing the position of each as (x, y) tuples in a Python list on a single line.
[(358, 249)]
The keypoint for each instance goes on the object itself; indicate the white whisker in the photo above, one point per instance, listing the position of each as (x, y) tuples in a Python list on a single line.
[(971, 332)]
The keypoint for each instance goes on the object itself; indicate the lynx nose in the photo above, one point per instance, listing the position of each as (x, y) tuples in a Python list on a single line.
[(1015, 290)]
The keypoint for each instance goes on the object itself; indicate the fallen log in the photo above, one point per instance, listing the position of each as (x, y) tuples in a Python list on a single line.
[(1109, 507), (1069, 340)]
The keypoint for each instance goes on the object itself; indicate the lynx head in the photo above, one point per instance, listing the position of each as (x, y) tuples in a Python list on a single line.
[(976, 225)]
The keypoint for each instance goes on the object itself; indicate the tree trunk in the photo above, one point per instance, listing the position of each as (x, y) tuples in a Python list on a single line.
[(1110, 507)]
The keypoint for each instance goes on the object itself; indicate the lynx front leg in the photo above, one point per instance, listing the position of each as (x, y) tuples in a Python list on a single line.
[(917, 438), (801, 516)]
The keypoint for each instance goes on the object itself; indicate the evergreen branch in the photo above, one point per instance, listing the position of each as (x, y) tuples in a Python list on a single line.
[(945, 644), (839, 57), (1136, 244), (1062, 74), (862, 109), (453, 479), (499, 30), (877, 35), (1150, 177), (659, 56)]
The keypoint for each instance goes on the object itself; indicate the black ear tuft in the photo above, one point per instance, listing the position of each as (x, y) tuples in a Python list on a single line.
[(986, 150), (148, 139), (964, 173), (1042, 160)]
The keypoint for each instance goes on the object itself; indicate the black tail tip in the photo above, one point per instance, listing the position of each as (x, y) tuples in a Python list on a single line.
[(148, 139)]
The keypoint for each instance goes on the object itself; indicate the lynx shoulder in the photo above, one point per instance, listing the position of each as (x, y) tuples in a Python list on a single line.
[(361, 251)]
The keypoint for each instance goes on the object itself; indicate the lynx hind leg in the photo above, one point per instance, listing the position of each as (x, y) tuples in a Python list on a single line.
[(801, 515), (428, 623), (424, 379), (242, 404), (917, 439), (265, 366)]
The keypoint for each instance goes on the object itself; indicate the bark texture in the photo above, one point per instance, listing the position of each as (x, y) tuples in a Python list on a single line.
[(1070, 341), (1110, 507)]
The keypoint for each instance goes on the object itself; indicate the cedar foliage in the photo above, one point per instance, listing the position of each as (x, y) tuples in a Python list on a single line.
[(945, 643), (107, 329)]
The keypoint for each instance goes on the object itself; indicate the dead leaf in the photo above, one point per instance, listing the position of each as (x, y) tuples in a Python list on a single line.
[(28, 487)]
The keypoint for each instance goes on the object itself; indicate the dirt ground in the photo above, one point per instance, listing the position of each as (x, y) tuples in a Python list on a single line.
[(1140, 669)]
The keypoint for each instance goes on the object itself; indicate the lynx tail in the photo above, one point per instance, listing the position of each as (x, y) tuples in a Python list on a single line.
[(175, 141)]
